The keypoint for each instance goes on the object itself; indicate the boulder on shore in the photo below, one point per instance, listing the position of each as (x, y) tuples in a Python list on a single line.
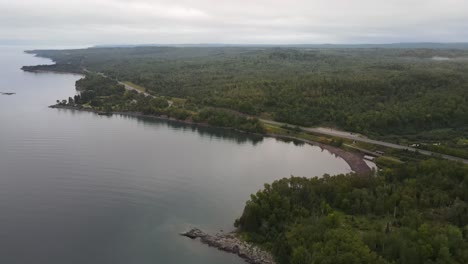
[(229, 242)]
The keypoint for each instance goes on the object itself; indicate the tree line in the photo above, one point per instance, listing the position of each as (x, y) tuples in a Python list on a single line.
[(102, 93), (373, 91), (414, 213)]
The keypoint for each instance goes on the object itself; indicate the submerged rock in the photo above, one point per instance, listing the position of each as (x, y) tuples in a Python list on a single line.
[(229, 242)]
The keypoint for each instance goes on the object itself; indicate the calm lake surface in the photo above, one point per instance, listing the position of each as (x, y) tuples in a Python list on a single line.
[(81, 188)]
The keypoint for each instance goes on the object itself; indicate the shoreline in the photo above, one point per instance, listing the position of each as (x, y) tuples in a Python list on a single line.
[(51, 71), (354, 160), (231, 243)]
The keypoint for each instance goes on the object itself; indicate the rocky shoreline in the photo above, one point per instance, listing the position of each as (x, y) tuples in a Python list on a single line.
[(355, 160), (229, 242)]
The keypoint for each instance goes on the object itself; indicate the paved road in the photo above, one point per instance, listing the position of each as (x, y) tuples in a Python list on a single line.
[(356, 137)]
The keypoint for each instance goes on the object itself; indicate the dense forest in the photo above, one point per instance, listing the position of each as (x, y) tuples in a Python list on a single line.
[(104, 94), (372, 91), (403, 95), (414, 213)]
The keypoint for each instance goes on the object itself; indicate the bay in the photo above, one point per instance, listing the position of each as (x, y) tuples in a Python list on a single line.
[(76, 187)]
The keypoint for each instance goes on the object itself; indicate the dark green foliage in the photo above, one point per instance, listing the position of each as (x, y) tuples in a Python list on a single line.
[(373, 91), (336, 142), (411, 213), (105, 94), (99, 85), (68, 68), (180, 114), (415, 213), (453, 150), (95, 89), (225, 118)]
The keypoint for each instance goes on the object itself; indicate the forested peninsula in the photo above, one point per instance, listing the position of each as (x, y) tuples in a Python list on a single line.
[(403, 95), (412, 213), (413, 210)]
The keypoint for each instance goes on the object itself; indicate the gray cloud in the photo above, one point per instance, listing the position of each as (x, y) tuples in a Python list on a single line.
[(240, 21)]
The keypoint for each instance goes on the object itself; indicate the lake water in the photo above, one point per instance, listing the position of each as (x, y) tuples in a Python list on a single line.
[(81, 188)]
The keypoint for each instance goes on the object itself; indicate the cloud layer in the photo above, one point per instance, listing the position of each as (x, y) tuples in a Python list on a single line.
[(240, 21)]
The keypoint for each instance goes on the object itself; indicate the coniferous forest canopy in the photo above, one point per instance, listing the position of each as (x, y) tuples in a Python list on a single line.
[(374, 91), (412, 212), (108, 95), (415, 213)]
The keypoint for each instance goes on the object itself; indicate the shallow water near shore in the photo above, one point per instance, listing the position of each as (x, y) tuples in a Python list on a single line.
[(76, 187)]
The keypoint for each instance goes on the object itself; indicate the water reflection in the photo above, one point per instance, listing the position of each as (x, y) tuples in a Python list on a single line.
[(77, 187), (204, 131)]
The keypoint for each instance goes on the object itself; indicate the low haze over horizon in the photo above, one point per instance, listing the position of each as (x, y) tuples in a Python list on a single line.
[(87, 22)]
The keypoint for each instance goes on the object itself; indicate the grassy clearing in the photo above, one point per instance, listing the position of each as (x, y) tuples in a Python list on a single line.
[(273, 129), (177, 102), (387, 162), (136, 86)]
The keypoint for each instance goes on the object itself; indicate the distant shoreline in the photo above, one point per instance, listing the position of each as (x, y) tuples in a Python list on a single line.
[(49, 71), (7, 93), (354, 160)]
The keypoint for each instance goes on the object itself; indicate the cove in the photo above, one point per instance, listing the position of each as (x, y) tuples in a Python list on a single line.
[(76, 187)]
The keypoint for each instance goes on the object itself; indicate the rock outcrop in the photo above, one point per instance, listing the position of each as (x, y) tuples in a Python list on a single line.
[(229, 242)]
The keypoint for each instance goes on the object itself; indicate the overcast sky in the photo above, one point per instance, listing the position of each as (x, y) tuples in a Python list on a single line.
[(229, 21)]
